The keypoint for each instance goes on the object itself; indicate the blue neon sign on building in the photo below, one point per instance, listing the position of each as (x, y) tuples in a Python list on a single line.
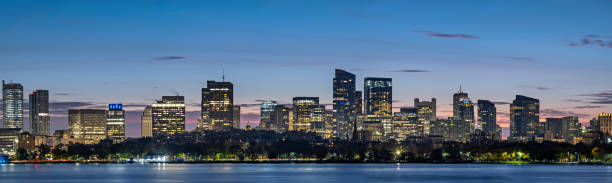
[(115, 106)]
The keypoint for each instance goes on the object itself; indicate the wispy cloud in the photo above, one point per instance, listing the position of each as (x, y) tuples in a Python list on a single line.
[(599, 98), (525, 59), (534, 87), (588, 107), (409, 70), (64, 94), (444, 35), (592, 40), (169, 58), (186, 14), (559, 113), (501, 103)]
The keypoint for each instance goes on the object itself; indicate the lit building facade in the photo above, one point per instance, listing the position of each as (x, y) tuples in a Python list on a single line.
[(12, 105), (406, 123), (115, 123), (426, 113), (217, 106), (571, 128), (524, 118), (146, 122), (487, 118), (462, 124), (87, 124), (265, 114), (9, 139), (554, 129), (168, 116), (378, 99), (605, 123), (309, 116), (344, 104), (39, 113), (280, 118)]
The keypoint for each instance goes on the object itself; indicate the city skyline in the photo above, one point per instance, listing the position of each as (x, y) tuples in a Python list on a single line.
[(565, 67)]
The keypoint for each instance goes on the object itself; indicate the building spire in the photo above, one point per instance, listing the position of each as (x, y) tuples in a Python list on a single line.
[(460, 91), (222, 73)]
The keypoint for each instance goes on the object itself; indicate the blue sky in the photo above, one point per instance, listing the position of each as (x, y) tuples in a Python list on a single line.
[(99, 52)]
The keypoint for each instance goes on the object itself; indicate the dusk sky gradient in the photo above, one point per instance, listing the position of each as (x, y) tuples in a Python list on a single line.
[(92, 53)]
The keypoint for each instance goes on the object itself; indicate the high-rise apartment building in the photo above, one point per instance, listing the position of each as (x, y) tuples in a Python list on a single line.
[(87, 124), (39, 113), (217, 106), (487, 117), (168, 116), (146, 122), (524, 118), (115, 123), (12, 105)]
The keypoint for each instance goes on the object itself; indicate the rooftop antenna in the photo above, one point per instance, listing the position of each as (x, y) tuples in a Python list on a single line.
[(460, 91), (222, 73)]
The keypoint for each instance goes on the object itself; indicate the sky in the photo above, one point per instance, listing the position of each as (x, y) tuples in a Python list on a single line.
[(92, 53)]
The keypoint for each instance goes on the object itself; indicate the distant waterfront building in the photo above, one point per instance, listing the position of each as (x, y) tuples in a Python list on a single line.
[(39, 113), (344, 104), (236, 118), (605, 122), (524, 118), (12, 105), (554, 126), (217, 106), (309, 115), (9, 138), (115, 123), (571, 128), (87, 124), (463, 116), (426, 113), (280, 118), (168, 116), (487, 117), (407, 123), (378, 99), (265, 114), (146, 122)]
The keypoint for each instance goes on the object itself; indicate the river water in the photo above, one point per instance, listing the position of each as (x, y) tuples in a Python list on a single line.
[(317, 173)]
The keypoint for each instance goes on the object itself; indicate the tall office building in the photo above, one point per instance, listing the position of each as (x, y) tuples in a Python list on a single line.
[(571, 128), (554, 128), (309, 116), (217, 106), (87, 124), (168, 116), (12, 105), (378, 99), (39, 113), (236, 118), (426, 113), (115, 123), (594, 125), (463, 116), (487, 117), (280, 118), (605, 123), (146, 122), (344, 106), (407, 123), (358, 102), (265, 114), (524, 118)]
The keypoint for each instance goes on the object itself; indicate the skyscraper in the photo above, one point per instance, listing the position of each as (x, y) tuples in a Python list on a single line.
[(115, 123), (426, 113), (309, 115), (236, 118), (524, 118), (12, 105), (39, 113), (344, 107), (463, 116), (146, 122), (87, 124), (217, 106), (280, 118), (406, 123), (265, 113), (378, 99), (554, 126), (168, 116), (571, 128), (594, 125), (487, 117)]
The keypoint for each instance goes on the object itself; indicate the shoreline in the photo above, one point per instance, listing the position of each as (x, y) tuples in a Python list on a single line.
[(292, 162)]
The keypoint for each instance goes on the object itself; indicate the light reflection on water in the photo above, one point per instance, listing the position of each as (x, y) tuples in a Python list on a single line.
[(318, 173)]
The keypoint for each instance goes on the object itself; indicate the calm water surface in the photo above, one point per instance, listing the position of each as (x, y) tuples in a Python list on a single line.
[(319, 173)]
